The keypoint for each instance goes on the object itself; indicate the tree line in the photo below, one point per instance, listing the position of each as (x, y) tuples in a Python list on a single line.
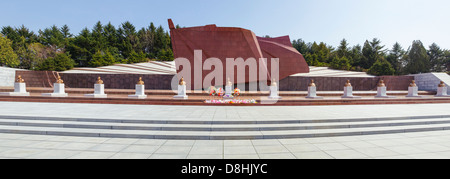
[(56, 48), (375, 59)]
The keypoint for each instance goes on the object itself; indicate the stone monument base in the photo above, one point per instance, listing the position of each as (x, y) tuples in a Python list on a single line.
[(99, 91), (180, 97), (228, 92), (96, 95), (140, 92), (274, 97), (354, 97), (55, 94), (348, 93), (385, 96), (314, 97), (413, 92), (381, 93), (19, 90), (14, 94), (442, 92), (181, 92), (312, 93), (274, 93), (58, 91), (137, 96)]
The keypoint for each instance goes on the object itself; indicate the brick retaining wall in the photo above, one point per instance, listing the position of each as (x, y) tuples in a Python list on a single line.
[(162, 82)]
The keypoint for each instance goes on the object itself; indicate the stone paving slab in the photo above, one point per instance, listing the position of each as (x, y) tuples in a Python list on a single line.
[(76, 148), (430, 144)]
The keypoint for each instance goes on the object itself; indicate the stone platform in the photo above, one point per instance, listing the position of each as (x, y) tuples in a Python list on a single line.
[(165, 97)]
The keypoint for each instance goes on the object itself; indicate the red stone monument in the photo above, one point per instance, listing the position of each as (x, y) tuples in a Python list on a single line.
[(233, 42)]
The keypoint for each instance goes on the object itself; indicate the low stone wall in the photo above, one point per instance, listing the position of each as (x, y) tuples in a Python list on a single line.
[(337, 83), (117, 81), (7, 76), (162, 82), (430, 81), (327, 83), (112, 81), (38, 78)]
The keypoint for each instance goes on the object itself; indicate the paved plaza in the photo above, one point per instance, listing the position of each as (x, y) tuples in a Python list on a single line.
[(408, 145)]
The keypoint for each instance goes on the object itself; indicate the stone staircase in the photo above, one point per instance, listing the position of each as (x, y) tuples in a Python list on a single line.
[(219, 129)]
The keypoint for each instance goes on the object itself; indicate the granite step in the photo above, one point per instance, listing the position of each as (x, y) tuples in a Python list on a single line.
[(318, 128), (208, 135), (215, 121), (219, 127)]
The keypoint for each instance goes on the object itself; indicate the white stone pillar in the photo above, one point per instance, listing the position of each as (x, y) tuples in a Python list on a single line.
[(413, 90), (274, 90), (140, 90), (382, 91), (181, 90), (99, 90), (19, 89), (442, 90), (312, 91), (348, 91), (58, 89), (228, 92)]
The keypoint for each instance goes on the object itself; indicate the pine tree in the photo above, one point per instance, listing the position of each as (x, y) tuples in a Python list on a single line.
[(340, 63), (417, 60), (98, 38), (380, 68), (54, 38), (342, 50), (437, 58), (97, 60), (301, 46), (395, 57), (372, 51), (356, 54), (65, 30), (127, 39), (81, 48), (110, 34)]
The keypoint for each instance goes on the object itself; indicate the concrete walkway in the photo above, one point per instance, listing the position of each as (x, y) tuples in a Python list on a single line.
[(403, 145)]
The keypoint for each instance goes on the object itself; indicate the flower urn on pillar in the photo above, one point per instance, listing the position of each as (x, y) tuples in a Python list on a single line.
[(312, 91), (348, 91), (181, 90), (58, 89), (99, 89), (274, 90), (382, 90), (442, 90), (228, 90), (140, 90), (413, 90), (20, 88)]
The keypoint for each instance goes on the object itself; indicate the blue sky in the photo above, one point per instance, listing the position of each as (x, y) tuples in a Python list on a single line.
[(312, 20)]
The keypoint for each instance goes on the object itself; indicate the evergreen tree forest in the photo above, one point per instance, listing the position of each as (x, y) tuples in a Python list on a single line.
[(56, 48), (376, 59)]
